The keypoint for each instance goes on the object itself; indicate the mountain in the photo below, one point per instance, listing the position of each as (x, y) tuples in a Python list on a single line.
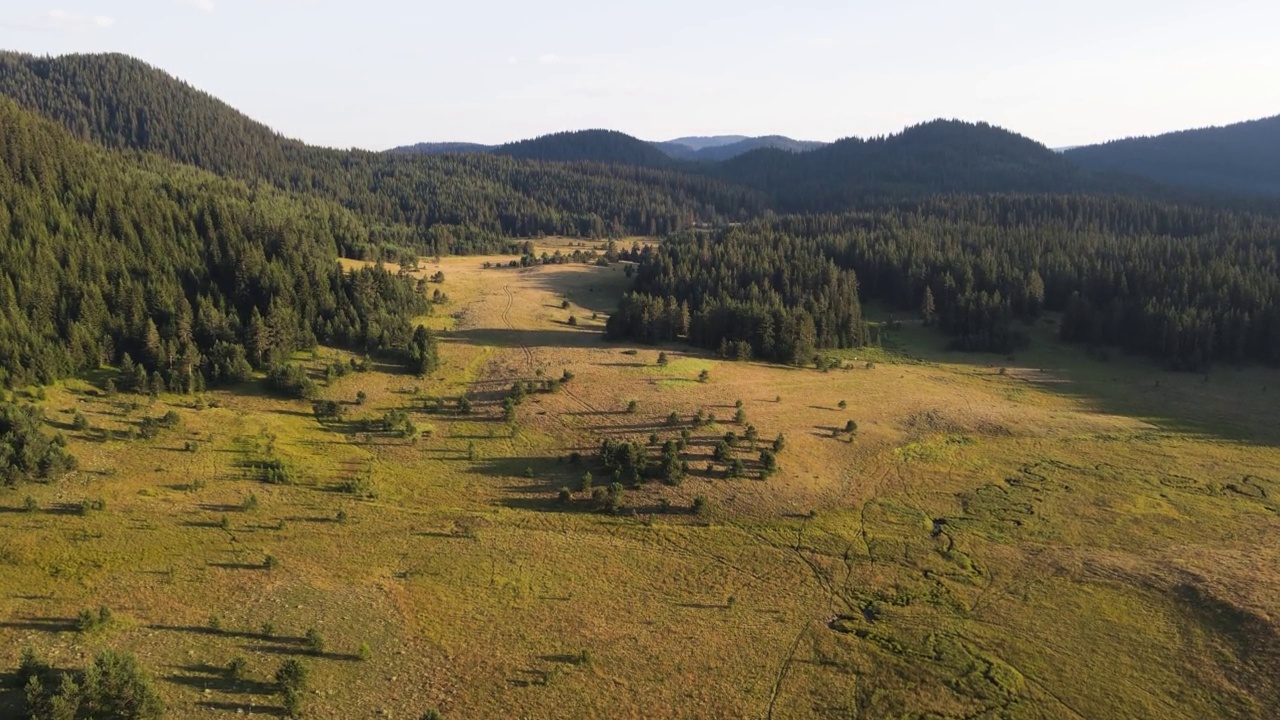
[(943, 156), (433, 204), (1243, 158), (441, 148), (725, 147), (602, 146), (702, 142)]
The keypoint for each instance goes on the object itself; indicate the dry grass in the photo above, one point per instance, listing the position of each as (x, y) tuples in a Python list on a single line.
[(1063, 539)]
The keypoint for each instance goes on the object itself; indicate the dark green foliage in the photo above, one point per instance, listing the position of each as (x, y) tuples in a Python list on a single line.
[(117, 254), (768, 461), (432, 714), (114, 687), (291, 682), (851, 427), (565, 496), (779, 443), (291, 380), (700, 505), (1186, 285), (26, 452), (424, 352), (314, 642), (238, 668)]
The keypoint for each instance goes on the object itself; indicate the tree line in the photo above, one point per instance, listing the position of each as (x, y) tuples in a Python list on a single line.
[(1186, 285)]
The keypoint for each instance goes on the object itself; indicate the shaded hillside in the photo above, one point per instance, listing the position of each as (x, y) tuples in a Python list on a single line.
[(1243, 158), (723, 147), (600, 146), (430, 203), (942, 156), (777, 142)]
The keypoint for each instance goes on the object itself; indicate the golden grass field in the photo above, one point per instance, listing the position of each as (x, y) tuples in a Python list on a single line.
[(1044, 536)]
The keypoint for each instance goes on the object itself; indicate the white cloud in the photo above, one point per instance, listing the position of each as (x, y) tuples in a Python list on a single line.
[(513, 60), (75, 22), (550, 59), (202, 5), (821, 42)]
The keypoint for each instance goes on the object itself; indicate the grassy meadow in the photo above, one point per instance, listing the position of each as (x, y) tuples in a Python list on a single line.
[(1050, 535)]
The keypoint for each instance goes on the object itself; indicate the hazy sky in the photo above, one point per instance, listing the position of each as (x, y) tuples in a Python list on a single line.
[(378, 73)]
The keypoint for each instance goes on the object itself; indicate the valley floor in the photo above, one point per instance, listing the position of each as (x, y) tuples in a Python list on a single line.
[(1044, 536)]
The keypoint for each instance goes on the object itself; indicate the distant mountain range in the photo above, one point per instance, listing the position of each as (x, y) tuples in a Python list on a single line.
[(577, 145), (1239, 159), (604, 178)]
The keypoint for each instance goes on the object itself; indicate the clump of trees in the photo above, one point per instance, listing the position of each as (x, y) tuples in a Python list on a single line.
[(114, 686), (26, 452)]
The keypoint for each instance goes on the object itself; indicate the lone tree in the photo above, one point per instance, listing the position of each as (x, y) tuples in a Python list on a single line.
[(779, 443), (851, 427), (704, 376), (662, 359), (291, 683)]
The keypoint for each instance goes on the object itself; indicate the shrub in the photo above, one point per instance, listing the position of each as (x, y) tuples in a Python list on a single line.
[(632, 406), (268, 629), (662, 359), (314, 641), (851, 427), (80, 422), (30, 504), (573, 320), (700, 505), (704, 376), (291, 681), (270, 563), (249, 503), (842, 404), (237, 668), (361, 397), (586, 482), (740, 417), (779, 443), (432, 714), (365, 652), (565, 496)]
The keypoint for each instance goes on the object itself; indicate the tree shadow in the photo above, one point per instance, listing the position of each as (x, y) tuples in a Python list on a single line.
[(294, 650), (41, 624), (239, 635), (210, 678), (242, 709)]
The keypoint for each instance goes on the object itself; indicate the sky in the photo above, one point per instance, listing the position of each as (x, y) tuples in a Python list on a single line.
[(381, 73)]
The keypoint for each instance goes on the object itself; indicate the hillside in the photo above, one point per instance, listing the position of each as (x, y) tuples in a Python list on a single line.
[(440, 148), (723, 147), (1243, 158), (430, 203), (936, 157), (600, 146), (194, 276)]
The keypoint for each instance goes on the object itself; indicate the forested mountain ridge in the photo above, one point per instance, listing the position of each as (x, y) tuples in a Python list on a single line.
[(1242, 158), (602, 146), (434, 204), (184, 277), (710, 150), (943, 156)]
